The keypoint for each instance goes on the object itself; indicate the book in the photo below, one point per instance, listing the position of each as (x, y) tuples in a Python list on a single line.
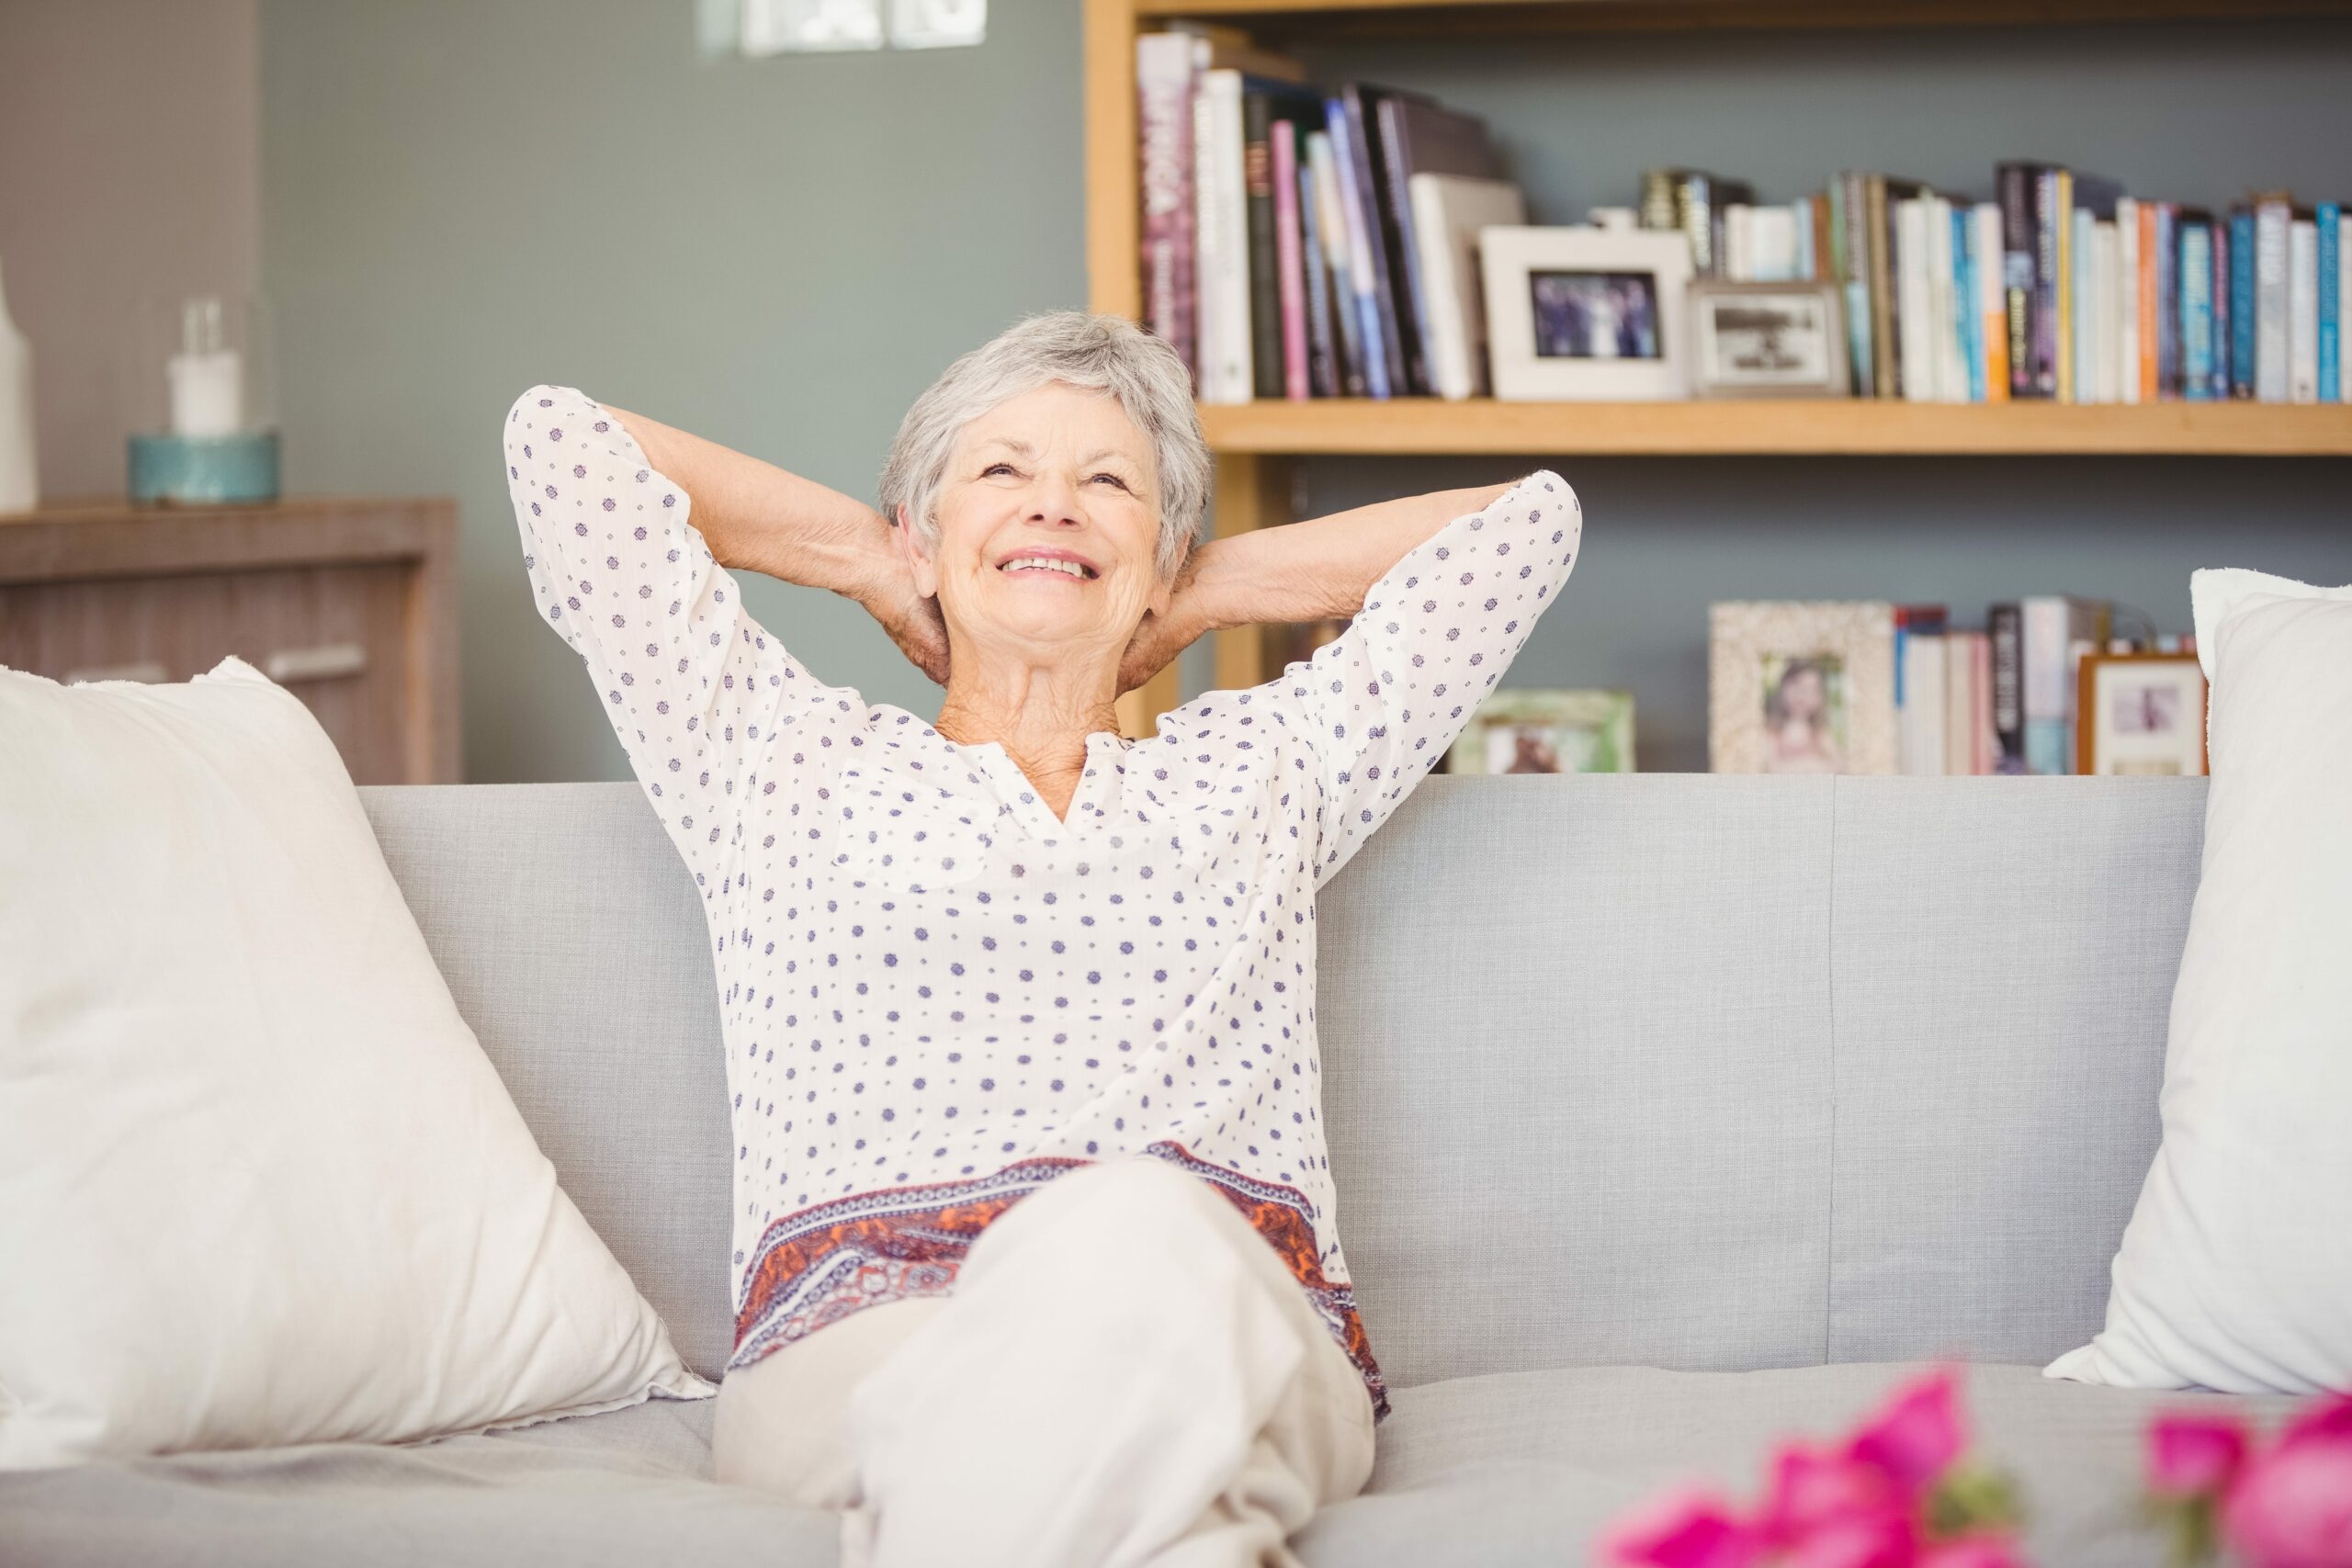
[(1964, 703), (2331, 302), (1164, 86), (1420, 136), (1263, 101), (1989, 266), (1914, 626), (1914, 315), (2195, 303), (2217, 293), (1359, 104), (1322, 339), (2167, 299), (2016, 187), (1882, 197), (1448, 212), (1290, 259), (2270, 223), (1331, 228), (1221, 269), (1854, 247), (2086, 201), (2059, 195), (2302, 310), (2127, 300), (1364, 261), (2241, 307), (2052, 629), (2005, 630)]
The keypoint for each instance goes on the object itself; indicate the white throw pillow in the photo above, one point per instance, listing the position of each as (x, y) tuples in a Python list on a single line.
[(258, 1183), (2235, 1272)]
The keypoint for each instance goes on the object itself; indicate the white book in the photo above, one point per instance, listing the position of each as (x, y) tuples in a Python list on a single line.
[(2109, 262), (1331, 229), (1960, 702), (1921, 722), (1735, 263), (1992, 307), (2271, 224), (1951, 376), (1915, 322), (1207, 346), (1235, 371), (1807, 265), (1448, 212), (1771, 244), (2081, 261), (2302, 311), (2127, 302)]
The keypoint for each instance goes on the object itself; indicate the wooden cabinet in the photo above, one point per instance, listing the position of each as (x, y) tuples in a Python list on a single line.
[(348, 604)]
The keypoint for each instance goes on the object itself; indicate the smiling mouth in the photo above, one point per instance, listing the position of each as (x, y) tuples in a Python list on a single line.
[(1050, 564)]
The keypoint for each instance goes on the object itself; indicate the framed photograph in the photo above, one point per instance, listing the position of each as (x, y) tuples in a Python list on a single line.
[(1767, 340), (1800, 687), (1591, 315), (2139, 713), (1547, 732)]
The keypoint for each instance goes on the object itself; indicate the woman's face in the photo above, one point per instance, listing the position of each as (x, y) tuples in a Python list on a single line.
[(1049, 529), (1804, 695)]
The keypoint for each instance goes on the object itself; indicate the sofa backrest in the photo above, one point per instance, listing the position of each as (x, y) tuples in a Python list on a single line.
[(1673, 1070)]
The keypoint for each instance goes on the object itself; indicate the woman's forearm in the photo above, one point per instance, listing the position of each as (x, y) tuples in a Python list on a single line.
[(759, 517), (1309, 572)]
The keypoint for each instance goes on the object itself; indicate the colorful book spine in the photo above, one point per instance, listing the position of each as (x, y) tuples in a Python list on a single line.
[(1992, 299), (2151, 303), (1322, 347), (2005, 629), (2167, 299), (2062, 221), (1359, 107), (1331, 222), (2196, 308), (2302, 311), (2242, 309), (2083, 314), (1965, 319), (2017, 187), (1164, 82), (2127, 312), (1361, 264), (2270, 222), (2218, 291), (1289, 268), (2330, 303)]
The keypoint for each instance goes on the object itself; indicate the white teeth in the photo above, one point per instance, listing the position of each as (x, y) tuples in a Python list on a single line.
[(1044, 563)]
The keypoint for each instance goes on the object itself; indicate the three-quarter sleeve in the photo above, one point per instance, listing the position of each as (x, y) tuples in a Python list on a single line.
[(694, 687), (1379, 705)]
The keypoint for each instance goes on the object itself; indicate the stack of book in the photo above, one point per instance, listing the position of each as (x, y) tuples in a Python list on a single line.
[(1297, 244)]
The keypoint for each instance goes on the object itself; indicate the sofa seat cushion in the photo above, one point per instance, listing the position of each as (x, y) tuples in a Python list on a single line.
[(1519, 1467), (1526, 1468), (625, 1488)]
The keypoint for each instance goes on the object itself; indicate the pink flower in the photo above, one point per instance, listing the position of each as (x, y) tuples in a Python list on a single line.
[(2190, 1456), (1915, 1438), (2292, 1508), (1887, 1539), (1973, 1552), (2330, 1418), (1812, 1487), (1682, 1529)]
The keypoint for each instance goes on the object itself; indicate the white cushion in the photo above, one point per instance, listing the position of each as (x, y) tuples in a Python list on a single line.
[(2235, 1272), (258, 1183)]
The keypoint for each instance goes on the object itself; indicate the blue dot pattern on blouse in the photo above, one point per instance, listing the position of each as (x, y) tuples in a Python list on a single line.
[(936, 996)]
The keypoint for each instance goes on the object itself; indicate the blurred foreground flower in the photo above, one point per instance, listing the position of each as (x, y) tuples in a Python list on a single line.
[(2287, 1506), (1892, 1495)]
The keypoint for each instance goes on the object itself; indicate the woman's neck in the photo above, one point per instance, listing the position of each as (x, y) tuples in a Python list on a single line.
[(1040, 715)]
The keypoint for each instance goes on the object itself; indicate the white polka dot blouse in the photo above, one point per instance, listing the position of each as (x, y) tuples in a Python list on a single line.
[(937, 996)]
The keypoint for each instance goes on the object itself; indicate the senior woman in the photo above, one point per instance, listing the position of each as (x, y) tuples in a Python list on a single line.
[(1036, 1255)]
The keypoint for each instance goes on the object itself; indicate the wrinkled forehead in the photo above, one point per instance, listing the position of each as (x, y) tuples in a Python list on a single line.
[(1058, 420)]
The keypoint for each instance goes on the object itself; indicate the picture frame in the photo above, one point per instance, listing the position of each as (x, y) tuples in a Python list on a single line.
[(1767, 340), (2140, 713), (1528, 731), (1800, 687), (1577, 314)]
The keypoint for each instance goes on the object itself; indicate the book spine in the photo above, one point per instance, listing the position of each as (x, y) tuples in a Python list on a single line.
[(2046, 227), (2241, 307), (2062, 218), (1164, 110), (1914, 361), (2302, 311), (2019, 247), (2217, 291), (1361, 264), (1949, 383), (1412, 285), (2271, 220), (1265, 289), (1967, 321), (1289, 268), (2083, 252), (1364, 158), (2167, 299), (2005, 630), (1990, 265), (2331, 304), (2344, 292), (2106, 256), (2126, 313), (2150, 304), (2043, 684), (1854, 215), (1332, 225), (1208, 240), (1880, 217), (1322, 351), (2195, 311)]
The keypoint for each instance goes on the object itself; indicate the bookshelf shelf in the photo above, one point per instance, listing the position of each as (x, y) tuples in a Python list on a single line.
[(1842, 427)]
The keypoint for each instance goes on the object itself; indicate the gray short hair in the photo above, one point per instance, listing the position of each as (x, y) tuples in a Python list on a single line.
[(1096, 352)]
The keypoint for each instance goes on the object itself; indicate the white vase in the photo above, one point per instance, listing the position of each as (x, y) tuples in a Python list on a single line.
[(19, 485)]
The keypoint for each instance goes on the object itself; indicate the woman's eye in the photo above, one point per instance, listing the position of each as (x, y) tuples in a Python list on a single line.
[(1113, 478), (994, 467)]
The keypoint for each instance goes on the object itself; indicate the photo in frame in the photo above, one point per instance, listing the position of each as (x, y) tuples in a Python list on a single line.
[(2140, 713), (1767, 340), (1547, 732), (1585, 315), (1800, 687)]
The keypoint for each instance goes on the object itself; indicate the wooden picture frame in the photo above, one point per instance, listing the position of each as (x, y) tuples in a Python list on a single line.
[(1532, 731), (1583, 314), (1800, 686), (2141, 713), (1767, 340)]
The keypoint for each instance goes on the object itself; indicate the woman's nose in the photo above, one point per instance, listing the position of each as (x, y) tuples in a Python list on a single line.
[(1054, 500)]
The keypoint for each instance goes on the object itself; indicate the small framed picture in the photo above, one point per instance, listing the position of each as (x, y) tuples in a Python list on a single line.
[(1547, 732), (1800, 687), (2139, 713), (1590, 315), (1767, 340)]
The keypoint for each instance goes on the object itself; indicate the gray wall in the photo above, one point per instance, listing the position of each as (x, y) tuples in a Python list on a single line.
[(129, 149), (462, 198)]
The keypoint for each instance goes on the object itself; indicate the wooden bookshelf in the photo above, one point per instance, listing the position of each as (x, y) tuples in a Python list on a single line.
[(1257, 444)]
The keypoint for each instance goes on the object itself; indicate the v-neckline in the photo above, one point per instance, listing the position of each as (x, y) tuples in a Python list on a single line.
[(1021, 793)]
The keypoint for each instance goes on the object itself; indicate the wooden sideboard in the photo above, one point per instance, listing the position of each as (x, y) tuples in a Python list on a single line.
[(350, 604)]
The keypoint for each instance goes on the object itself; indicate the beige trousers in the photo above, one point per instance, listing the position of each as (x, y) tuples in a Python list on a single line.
[(1126, 1375)]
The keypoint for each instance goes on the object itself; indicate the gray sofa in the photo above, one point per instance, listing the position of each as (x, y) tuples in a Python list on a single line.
[(1669, 1114)]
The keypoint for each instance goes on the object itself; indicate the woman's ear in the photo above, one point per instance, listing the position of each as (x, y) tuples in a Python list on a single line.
[(919, 562)]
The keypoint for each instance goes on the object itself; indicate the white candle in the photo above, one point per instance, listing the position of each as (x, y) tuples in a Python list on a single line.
[(207, 393)]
